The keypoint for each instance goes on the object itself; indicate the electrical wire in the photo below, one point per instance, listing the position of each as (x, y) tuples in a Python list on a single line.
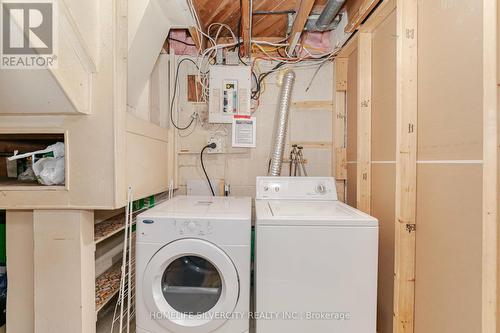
[(193, 117), (212, 146), (181, 41)]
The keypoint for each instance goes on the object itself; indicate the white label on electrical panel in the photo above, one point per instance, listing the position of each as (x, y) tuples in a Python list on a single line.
[(244, 131), (230, 96)]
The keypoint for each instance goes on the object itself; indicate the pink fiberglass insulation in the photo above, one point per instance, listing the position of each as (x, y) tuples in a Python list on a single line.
[(316, 43), (181, 43)]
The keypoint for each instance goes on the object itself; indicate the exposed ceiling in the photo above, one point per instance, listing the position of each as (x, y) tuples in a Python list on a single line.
[(270, 19), (269, 25)]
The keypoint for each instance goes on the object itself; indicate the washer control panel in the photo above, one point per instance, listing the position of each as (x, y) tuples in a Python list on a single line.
[(193, 227), (306, 188)]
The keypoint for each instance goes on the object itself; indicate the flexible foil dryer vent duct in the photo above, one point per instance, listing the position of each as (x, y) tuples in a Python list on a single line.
[(281, 124)]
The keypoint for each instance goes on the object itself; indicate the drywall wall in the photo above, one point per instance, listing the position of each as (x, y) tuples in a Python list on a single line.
[(449, 173), (310, 125), (352, 102), (383, 168)]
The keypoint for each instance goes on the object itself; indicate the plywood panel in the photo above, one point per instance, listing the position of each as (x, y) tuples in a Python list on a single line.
[(384, 91), (384, 149), (352, 100), (64, 271), (147, 165), (448, 271), (450, 86), (384, 208)]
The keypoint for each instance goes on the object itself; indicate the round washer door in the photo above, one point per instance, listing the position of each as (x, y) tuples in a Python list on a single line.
[(190, 285)]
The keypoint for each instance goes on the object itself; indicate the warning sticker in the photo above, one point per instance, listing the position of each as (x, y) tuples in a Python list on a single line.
[(244, 131)]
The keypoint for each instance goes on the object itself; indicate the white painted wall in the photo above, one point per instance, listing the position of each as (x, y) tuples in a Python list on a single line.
[(239, 167)]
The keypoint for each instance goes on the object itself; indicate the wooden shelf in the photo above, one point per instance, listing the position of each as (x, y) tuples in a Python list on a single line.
[(109, 227), (113, 225), (26, 185), (107, 285)]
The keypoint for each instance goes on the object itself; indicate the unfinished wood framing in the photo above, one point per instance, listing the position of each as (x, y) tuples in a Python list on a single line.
[(194, 89), (406, 163), (498, 163), (384, 9), (351, 125), (490, 160), (303, 10), (341, 74), (339, 120), (172, 157), (357, 11), (195, 35), (246, 18), (339, 127), (364, 109)]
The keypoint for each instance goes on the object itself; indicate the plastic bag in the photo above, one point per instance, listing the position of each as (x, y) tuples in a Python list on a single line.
[(57, 149), (28, 174), (50, 170)]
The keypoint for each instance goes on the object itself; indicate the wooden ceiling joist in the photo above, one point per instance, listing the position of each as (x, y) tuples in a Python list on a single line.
[(357, 11), (303, 11), (196, 37), (246, 18)]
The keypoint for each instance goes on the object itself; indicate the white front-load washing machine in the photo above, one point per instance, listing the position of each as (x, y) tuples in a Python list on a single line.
[(193, 266)]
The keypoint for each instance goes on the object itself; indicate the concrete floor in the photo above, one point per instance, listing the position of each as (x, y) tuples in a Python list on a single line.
[(105, 321)]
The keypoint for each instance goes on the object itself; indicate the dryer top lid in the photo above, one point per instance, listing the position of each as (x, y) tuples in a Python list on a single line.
[(203, 207)]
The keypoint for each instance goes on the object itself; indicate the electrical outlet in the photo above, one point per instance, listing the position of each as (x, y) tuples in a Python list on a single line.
[(218, 140)]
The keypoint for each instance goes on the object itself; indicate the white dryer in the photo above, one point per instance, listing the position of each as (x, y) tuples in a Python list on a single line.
[(193, 266), (316, 259)]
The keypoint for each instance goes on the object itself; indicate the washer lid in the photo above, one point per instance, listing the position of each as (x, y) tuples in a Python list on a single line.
[(203, 207), (296, 212)]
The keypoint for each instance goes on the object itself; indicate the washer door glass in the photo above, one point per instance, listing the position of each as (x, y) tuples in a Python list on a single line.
[(191, 285), (187, 283)]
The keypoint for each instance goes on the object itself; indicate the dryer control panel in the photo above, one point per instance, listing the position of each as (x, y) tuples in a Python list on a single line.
[(193, 227), (296, 188)]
